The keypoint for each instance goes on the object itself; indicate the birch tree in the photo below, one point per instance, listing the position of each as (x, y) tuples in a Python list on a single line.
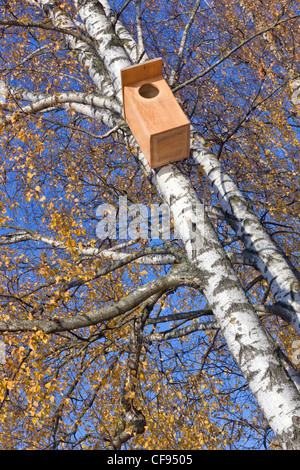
[(80, 315)]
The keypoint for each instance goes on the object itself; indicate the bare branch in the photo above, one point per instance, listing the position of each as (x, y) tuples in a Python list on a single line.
[(177, 277), (232, 51), (183, 43), (46, 25), (181, 332), (180, 316), (140, 44)]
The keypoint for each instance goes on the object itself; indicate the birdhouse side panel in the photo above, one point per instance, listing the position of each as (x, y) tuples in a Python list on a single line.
[(137, 126), (170, 146)]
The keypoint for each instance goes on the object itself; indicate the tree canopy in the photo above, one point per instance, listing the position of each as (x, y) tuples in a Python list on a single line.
[(143, 342)]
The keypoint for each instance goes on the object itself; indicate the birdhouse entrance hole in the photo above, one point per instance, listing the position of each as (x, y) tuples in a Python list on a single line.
[(148, 91)]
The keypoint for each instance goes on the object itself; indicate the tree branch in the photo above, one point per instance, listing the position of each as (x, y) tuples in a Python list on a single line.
[(140, 40), (148, 256), (177, 277), (47, 26), (102, 109), (86, 53), (181, 332), (232, 51), (183, 43)]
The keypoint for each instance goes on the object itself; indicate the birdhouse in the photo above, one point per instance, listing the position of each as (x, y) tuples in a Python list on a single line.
[(156, 120)]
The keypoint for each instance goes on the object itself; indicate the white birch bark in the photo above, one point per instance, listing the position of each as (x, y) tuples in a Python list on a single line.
[(272, 265), (240, 325), (85, 53), (100, 108), (128, 42), (159, 256), (108, 45)]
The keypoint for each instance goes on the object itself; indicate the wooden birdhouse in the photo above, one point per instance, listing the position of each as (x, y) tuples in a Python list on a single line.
[(155, 118)]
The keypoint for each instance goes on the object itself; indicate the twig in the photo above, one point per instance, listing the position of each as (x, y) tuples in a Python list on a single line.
[(47, 26), (232, 51), (140, 40), (182, 44)]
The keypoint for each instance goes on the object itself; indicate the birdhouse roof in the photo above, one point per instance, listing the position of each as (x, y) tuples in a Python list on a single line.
[(144, 71)]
